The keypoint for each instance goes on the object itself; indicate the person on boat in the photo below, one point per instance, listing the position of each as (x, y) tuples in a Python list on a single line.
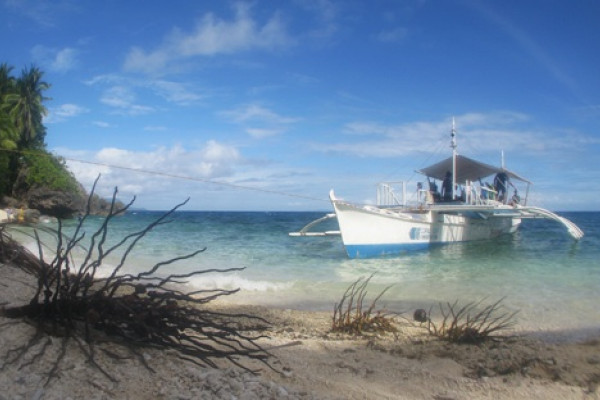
[(434, 190), (516, 199), (447, 187), (482, 190), (501, 184)]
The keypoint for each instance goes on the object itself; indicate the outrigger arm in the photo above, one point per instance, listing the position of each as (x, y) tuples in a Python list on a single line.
[(575, 232), (305, 231)]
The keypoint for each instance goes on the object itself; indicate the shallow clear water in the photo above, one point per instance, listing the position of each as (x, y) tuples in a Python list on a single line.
[(553, 281)]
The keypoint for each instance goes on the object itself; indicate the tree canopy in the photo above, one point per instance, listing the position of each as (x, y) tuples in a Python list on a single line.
[(22, 134)]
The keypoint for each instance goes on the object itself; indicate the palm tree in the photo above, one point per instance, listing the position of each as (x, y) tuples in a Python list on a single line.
[(8, 131), (21, 114), (9, 135), (6, 80), (25, 107)]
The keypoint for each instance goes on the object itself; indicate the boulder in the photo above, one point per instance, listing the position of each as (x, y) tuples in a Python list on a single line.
[(31, 216), (55, 203), (10, 202)]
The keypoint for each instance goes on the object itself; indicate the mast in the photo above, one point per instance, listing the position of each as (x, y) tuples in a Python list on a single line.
[(453, 146)]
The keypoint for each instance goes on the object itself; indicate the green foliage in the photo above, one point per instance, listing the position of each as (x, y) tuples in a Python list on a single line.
[(44, 169), (5, 182), (21, 130), (24, 105)]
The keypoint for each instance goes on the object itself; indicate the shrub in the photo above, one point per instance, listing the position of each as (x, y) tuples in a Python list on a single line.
[(44, 169)]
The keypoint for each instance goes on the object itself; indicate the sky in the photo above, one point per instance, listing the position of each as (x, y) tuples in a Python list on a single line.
[(269, 104)]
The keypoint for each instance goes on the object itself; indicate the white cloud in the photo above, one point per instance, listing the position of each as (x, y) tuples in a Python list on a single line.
[(216, 160), (216, 152), (259, 122), (56, 60), (255, 112), (155, 128), (215, 176), (163, 170), (139, 60), (64, 112), (124, 100), (44, 13), (117, 96), (65, 60), (259, 133), (476, 132), (70, 110), (212, 36), (107, 79), (102, 124), (174, 92), (215, 36), (122, 93)]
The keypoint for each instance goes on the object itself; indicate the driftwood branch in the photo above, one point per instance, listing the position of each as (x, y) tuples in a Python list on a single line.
[(131, 310)]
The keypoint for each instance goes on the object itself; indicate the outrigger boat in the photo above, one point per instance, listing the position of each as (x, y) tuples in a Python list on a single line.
[(466, 210)]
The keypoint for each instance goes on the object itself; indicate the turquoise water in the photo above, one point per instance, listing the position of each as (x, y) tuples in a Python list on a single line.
[(553, 281)]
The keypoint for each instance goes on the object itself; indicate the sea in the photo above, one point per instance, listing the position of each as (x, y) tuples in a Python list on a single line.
[(552, 281)]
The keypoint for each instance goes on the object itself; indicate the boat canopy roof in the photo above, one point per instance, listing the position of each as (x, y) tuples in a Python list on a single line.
[(466, 169)]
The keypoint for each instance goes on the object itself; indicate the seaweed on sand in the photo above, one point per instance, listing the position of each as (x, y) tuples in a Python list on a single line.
[(472, 322), (351, 316)]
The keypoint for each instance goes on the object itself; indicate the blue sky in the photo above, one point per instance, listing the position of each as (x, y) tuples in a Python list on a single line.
[(283, 100)]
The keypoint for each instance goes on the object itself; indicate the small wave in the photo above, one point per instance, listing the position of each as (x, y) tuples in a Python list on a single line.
[(235, 281)]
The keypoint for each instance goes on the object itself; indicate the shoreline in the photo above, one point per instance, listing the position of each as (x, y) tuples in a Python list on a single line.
[(313, 364), (560, 299)]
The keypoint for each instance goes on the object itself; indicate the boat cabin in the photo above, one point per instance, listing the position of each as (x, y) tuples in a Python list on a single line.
[(475, 183)]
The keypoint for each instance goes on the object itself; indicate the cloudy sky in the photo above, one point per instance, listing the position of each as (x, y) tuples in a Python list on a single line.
[(267, 105)]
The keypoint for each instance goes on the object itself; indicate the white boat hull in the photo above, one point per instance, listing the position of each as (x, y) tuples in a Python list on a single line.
[(372, 231)]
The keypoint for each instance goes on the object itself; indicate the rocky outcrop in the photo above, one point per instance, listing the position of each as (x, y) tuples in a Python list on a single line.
[(59, 203), (55, 203)]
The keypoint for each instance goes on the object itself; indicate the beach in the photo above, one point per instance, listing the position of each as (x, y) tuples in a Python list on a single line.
[(308, 362)]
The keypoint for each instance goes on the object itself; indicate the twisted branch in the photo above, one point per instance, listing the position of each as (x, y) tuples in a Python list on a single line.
[(132, 310)]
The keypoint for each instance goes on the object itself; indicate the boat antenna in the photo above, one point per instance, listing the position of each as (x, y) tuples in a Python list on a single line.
[(453, 146), (502, 160)]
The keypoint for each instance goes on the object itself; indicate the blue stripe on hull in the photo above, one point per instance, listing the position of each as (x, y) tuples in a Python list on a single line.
[(378, 250)]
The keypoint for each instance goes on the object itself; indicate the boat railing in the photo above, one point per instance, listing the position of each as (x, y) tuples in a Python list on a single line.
[(391, 194), (478, 194), (394, 194)]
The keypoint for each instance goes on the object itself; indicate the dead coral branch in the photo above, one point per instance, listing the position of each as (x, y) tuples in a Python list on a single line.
[(132, 310)]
